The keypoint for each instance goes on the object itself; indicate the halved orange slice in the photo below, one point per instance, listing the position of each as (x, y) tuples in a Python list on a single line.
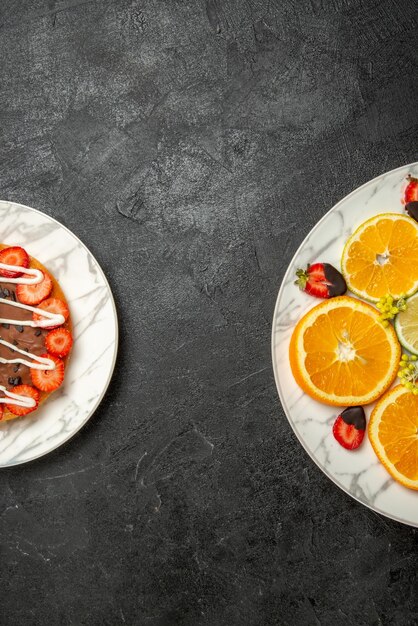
[(393, 433), (341, 354), (381, 257)]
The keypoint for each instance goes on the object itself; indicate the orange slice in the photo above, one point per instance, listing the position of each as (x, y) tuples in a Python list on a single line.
[(341, 354), (381, 257), (393, 433)]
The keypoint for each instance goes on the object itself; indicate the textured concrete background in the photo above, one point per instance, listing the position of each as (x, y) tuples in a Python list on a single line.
[(192, 145)]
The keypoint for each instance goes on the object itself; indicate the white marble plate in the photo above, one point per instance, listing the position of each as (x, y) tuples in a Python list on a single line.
[(359, 473), (95, 329)]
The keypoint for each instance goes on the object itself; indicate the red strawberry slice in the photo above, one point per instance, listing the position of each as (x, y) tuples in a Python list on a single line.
[(13, 256), (48, 380), (411, 191), (34, 294), (349, 427), (52, 305), (321, 280), (24, 390), (59, 342)]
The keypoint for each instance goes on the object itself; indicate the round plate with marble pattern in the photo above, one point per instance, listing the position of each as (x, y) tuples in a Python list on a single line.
[(95, 330), (359, 473)]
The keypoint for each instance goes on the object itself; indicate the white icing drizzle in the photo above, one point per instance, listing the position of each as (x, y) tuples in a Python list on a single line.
[(38, 362), (21, 280), (42, 362), (55, 318), (14, 398)]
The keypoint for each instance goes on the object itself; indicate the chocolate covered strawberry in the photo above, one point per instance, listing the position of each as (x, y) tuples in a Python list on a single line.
[(321, 280), (411, 191), (410, 198), (349, 427)]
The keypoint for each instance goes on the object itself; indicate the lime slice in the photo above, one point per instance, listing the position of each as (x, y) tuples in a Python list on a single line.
[(406, 325)]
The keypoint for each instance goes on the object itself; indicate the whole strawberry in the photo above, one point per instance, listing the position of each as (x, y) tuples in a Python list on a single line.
[(349, 427), (321, 280)]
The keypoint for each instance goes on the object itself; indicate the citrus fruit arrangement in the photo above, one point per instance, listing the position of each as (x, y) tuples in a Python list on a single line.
[(348, 350)]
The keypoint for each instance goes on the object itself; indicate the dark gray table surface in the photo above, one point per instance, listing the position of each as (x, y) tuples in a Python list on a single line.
[(192, 145)]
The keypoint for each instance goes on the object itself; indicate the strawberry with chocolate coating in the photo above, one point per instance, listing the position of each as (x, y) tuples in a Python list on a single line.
[(410, 199), (321, 280), (349, 427), (411, 191)]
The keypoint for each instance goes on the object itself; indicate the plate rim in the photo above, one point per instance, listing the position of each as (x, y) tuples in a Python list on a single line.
[(116, 345), (371, 507)]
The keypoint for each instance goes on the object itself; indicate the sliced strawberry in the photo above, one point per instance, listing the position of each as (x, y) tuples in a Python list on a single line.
[(59, 342), (24, 390), (411, 191), (321, 280), (13, 256), (349, 427), (52, 305), (48, 380), (34, 294)]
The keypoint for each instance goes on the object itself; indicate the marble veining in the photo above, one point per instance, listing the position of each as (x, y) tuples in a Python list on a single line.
[(358, 473), (95, 333)]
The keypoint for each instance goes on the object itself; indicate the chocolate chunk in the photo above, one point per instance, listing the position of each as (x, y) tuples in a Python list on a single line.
[(6, 292), (15, 381), (14, 296), (37, 332), (16, 367), (6, 325), (19, 329)]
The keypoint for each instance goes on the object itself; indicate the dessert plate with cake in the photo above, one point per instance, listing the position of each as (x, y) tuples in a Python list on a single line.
[(56, 307)]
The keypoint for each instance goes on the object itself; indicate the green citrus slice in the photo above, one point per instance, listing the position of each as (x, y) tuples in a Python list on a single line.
[(406, 325)]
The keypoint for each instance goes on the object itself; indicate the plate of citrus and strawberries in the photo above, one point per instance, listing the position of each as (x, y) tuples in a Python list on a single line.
[(345, 344)]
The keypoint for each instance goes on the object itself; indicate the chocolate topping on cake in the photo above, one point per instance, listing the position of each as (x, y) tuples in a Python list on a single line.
[(25, 337)]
